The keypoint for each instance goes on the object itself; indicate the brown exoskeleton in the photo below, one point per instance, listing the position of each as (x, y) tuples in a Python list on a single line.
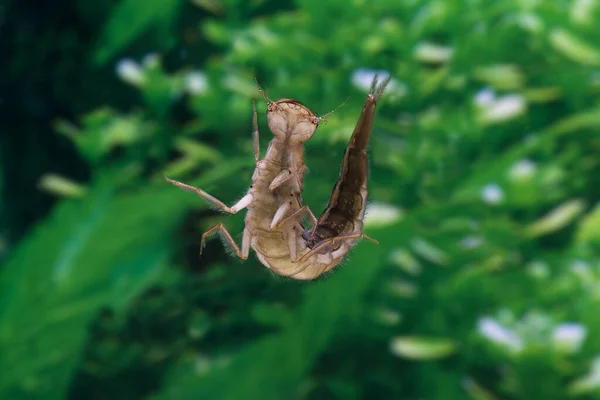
[(340, 225), (276, 187), (273, 222)]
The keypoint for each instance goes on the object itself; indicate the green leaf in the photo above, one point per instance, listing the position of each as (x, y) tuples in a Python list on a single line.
[(61, 186), (422, 348), (490, 171), (129, 20), (274, 367), (556, 219), (586, 119), (501, 76), (99, 251), (197, 150), (574, 48), (429, 252), (587, 384), (589, 228)]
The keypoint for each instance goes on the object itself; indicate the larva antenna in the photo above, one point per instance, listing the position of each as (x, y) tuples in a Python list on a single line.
[(262, 92)]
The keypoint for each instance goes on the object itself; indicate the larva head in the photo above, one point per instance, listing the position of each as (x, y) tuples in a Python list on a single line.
[(288, 119)]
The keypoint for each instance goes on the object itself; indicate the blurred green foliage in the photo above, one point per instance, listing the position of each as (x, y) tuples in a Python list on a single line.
[(484, 183)]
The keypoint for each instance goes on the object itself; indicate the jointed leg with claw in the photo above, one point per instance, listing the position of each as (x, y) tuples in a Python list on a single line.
[(286, 175), (243, 253), (240, 205), (304, 209), (334, 239), (244, 201)]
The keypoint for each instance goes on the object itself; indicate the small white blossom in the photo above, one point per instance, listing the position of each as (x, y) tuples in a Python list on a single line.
[(492, 193), (471, 242), (531, 22), (362, 77), (129, 71), (499, 334), (522, 169), (381, 214), (196, 82), (538, 269), (504, 108), (485, 97), (396, 89), (433, 53), (582, 269), (569, 337)]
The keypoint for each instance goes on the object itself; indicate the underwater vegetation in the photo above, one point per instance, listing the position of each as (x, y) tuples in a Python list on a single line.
[(483, 195)]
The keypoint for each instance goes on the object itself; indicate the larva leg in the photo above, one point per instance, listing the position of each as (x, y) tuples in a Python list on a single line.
[(284, 208), (255, 134), (329, 241), (243, 254), (295, 214), (246, 242), (240, 205), (285, 176)]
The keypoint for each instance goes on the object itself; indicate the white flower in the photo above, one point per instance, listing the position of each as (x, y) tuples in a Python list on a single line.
[(471, 242), (538, 269), (504, 108), (396, 89), (196, 82), (522, 169), (433, 53), (362, 77), (569, 337), (582, 269), (485, 97), (531, 22), (499, 334), (129, 71), (492, 193), (381, 214)]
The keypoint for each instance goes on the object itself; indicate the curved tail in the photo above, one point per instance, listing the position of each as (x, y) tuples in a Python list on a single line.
[(348, 200)]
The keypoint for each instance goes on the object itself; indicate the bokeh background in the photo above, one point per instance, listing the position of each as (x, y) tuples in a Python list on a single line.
[(485, 179)]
